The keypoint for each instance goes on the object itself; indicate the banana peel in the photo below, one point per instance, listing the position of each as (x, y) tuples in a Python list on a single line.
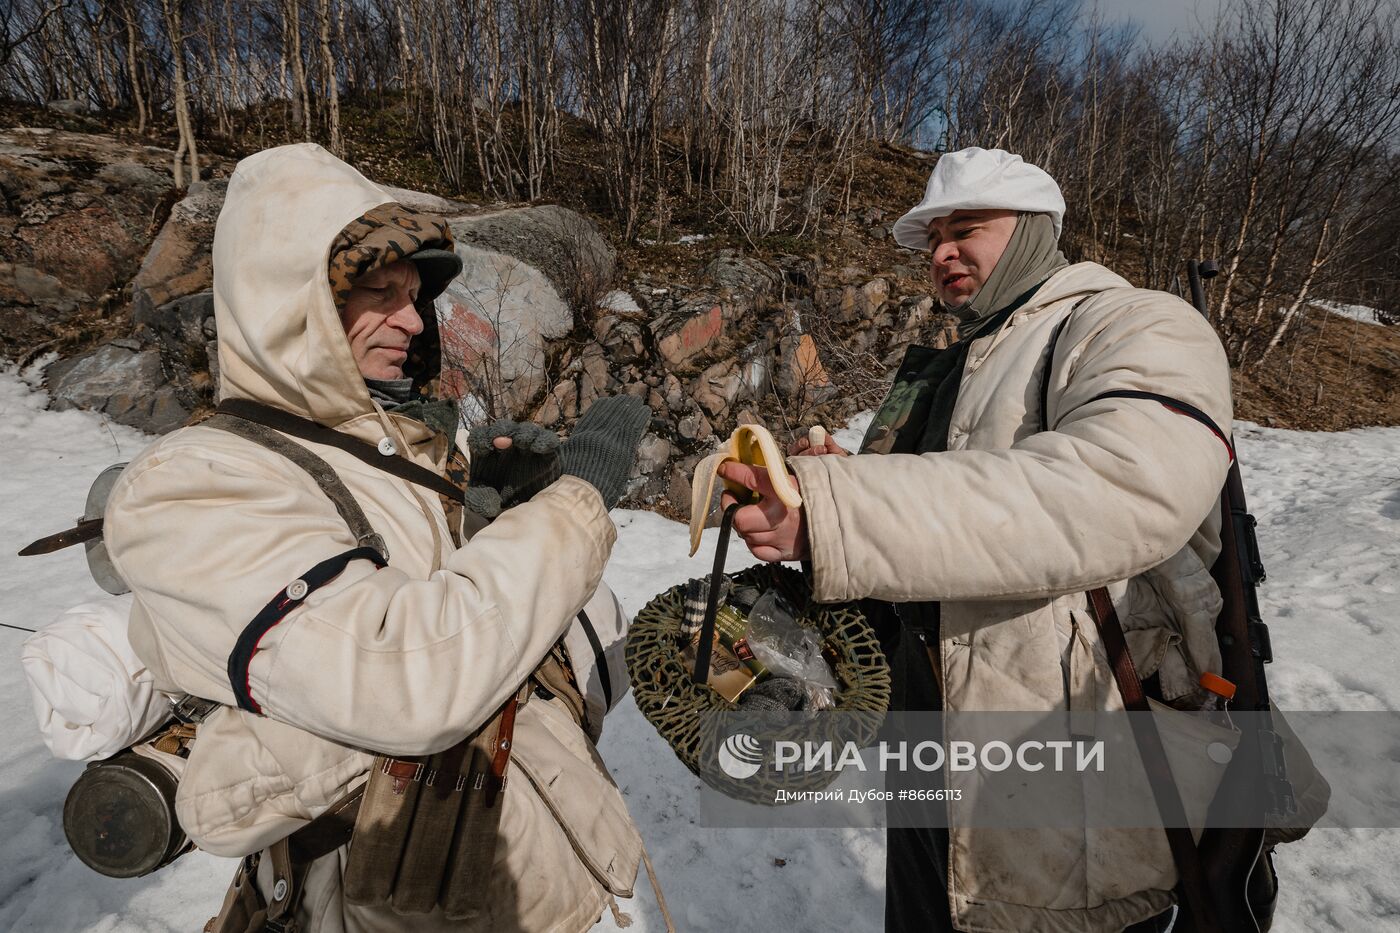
[(751, 444)]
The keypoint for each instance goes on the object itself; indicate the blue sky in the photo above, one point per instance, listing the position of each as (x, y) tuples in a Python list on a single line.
[(1158, 20)]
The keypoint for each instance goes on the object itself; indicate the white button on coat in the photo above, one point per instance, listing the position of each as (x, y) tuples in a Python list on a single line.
[(386, 447)]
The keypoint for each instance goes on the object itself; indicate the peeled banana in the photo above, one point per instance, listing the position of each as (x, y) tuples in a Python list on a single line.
[(751, 444)]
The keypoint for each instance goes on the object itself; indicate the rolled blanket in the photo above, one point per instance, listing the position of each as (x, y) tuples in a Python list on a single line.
[(92, 695)]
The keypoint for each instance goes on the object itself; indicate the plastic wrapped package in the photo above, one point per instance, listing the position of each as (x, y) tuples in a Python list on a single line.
[(790, 649)]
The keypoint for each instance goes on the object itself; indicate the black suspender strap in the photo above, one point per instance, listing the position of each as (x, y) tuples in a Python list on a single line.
[(1172, 404), (600, 659), (1050, 365), (288, 598), (1178, 406)]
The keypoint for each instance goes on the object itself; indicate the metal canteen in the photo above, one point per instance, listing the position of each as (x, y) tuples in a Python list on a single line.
[(119, 816)]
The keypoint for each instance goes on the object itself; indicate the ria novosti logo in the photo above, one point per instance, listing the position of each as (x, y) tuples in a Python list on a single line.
[(740, 756)]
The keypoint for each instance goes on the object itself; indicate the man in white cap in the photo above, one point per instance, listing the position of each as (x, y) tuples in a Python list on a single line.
[(1073, 438)]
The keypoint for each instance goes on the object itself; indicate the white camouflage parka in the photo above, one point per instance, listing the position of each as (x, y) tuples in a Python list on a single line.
[(205, 526)]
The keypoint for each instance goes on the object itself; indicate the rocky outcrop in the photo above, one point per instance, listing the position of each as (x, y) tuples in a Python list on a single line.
[(529, 329), (744, 275), (75, 223), (179, 262), (495, 320), (121, 380), (686, 333), (851, 303)]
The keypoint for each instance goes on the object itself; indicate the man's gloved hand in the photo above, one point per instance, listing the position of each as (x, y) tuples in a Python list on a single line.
[(510, 462), (603, 445)]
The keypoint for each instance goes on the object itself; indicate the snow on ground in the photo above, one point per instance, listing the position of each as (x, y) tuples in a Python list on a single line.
[(1329, 512), (685, 239), (1361, 313), (620, 302)]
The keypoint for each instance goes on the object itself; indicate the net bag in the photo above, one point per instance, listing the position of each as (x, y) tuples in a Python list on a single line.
[(684, 712)]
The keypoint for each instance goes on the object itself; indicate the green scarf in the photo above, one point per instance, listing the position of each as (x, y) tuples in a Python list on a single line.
[(397, 395)]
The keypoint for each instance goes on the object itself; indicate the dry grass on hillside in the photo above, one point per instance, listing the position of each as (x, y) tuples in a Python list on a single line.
[(1336, 374)]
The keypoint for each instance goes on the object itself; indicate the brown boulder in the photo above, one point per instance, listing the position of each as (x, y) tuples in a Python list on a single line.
[(180, 261), (695, 427), (559, 404), (850, 303), (594, 381), (801, 376), (688, 332), (871, 298), (717, 387), (74, 224), (623, 340), (673, 391)]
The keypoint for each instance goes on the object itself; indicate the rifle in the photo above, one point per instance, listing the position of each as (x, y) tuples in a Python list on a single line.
[(1243, 886)]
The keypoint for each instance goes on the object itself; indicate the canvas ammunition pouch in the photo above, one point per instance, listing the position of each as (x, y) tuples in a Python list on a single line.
[(422, 830), (427, 829)]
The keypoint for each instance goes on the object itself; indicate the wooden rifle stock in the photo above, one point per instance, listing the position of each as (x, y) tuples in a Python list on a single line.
[(1242, 886)]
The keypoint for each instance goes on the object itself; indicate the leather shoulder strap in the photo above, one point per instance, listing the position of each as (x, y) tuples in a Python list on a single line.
[(1190, 871), (329, 831), (321, 471), (308, 430)]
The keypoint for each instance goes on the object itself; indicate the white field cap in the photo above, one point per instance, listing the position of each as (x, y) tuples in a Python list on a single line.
[(980, 179)]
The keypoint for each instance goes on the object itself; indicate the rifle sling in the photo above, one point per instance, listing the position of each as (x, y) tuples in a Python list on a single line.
[(327, 832), (1190, 872), (306, 429)]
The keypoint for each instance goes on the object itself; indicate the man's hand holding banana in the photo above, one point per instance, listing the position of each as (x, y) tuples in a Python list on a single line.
[(774, 527)]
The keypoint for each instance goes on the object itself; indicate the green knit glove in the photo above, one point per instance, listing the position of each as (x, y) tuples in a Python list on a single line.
[(603, 445), (501, 479)]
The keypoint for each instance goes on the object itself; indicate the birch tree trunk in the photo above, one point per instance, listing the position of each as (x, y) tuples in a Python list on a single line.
[(329, 76), (301, 109), (188, 145), (133, 66)]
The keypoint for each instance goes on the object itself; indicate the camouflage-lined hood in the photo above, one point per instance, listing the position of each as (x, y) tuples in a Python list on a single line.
[(297, 228)]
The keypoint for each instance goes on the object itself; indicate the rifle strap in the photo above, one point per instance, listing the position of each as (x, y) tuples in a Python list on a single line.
[(319, 470), (1191, 883), (308, 430)]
